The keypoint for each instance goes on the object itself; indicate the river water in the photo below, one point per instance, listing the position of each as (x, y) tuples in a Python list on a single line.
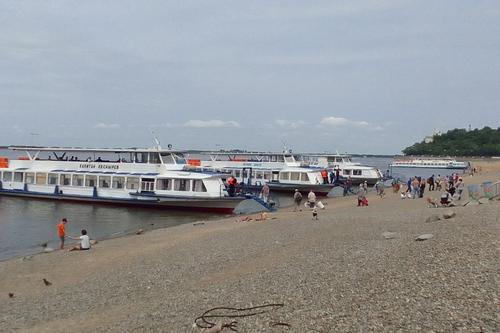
[(25, 224)]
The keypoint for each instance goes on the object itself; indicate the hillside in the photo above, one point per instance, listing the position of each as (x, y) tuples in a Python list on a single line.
[(460, 142)]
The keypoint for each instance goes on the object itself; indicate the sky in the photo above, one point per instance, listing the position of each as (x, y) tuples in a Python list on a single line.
[(349, 76)]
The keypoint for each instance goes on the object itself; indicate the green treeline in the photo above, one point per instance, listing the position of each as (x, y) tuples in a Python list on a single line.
[(460, 142)]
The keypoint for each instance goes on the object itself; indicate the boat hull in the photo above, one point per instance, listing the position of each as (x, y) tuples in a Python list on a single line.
[(321, 190), (225, 205)]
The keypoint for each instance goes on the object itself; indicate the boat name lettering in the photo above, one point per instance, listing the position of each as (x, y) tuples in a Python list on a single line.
[(98, 166)]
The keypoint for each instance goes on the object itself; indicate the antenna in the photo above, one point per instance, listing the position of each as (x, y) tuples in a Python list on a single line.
[(158, 146)]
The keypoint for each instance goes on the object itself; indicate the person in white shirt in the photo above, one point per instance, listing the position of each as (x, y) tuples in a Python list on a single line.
[(311, 199), (84, 242)]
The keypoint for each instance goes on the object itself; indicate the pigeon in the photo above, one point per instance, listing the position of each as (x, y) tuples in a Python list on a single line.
[(47, 282), (11, 295)]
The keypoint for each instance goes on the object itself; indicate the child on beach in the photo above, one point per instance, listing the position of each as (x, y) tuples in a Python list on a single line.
[(61, 231), (315, 213)]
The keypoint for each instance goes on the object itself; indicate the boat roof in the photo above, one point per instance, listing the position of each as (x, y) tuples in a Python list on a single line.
[(95, 150)]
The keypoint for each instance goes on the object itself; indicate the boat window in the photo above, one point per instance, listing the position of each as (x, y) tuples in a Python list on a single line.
[(304, 177), (65, 179), (179, 158), (284, 175), (237, 173), (105, 181), (346, 172), (141, 157), (77, 180), (294, 175), (132, 183), (154, 158), (7, 176), (90, 181), (181, 185), (118, 182), (147, 184), (53, 178), (164, 184), (41, 178), (356, 172), (167, 158), (18, 177), (289, 159), (258, 175), (244, 173), (29, 178), (198, 186)]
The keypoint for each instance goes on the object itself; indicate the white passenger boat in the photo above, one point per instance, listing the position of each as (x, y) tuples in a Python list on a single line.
[(429, 163), (280, 171), (143, 177), (343, 165)]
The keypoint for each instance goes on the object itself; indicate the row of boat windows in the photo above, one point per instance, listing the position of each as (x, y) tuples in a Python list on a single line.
[(302, 176), (114, 182), (256, 174)]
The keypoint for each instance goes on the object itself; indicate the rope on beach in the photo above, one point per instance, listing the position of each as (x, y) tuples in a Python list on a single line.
[(229, 312)]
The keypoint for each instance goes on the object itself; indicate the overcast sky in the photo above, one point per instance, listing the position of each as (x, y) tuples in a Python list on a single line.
[(355, 76)]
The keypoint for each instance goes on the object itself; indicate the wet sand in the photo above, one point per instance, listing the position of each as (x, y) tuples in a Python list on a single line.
[(338, 274)]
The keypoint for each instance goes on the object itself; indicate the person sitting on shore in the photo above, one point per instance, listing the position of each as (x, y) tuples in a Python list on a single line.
[(447, 199), (84, 242)]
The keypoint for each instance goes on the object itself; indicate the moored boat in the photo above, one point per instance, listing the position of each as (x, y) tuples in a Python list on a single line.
[(429, 163), (280, 171), (150, 177)]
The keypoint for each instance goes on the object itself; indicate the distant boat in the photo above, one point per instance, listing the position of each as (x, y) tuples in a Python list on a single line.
[(429, 164)]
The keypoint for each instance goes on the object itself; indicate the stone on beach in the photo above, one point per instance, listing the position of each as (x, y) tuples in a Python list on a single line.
[(424, 237), (48, 249), (433, 218), (449, 214), (388, 235), (93, 242), (139, 232), (484, 201)]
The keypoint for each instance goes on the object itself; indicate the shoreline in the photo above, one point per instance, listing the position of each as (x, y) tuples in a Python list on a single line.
[(336, 274)]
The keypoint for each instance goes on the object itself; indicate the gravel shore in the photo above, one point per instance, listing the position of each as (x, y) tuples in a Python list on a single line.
[(354, 270)]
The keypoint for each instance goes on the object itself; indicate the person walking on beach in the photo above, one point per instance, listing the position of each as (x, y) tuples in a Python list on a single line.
[(431, 183), (84, 242), (347, 185), (460, 188), (265, 192), (297, 199), (311, 199), (61, 231)]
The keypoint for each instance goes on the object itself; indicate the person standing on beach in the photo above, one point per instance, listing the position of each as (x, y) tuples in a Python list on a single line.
[(422, 188), (311, 199), (297, 199), (460, 188), (61, 231)]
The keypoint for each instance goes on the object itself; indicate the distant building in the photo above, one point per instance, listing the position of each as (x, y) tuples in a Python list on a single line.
[(430, 138)]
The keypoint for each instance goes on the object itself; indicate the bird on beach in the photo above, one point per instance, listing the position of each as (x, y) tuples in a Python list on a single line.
[(47, 282), (11, 295)]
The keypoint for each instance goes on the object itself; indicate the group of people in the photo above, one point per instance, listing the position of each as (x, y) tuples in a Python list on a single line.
[(452, 187), (311, 202), (332, 177), (84, 238)]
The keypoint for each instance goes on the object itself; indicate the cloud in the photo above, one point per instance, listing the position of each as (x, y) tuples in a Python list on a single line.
[(103, 125), (214, 123), (343, 122), (289, 124)]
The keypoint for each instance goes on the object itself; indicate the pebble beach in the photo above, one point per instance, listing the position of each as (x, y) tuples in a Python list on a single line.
[(356, 269)]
